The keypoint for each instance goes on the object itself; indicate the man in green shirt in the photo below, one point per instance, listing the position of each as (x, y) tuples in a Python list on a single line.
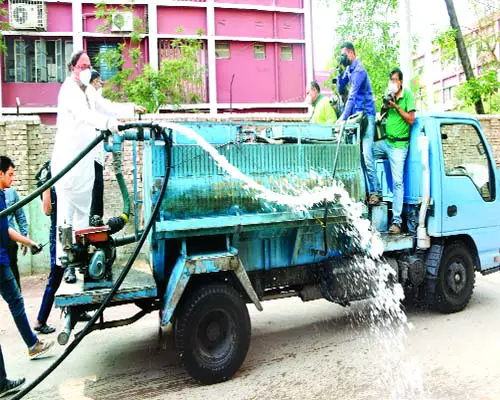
[(323, 112), (400, 118)]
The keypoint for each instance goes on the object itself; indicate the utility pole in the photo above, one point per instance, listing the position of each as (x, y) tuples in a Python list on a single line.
[(462, 50), (405, 47)]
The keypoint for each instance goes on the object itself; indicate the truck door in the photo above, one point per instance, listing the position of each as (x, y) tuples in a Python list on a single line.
[(470, 203)]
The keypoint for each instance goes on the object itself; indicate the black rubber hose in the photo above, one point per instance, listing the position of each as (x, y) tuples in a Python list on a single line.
[(116, 286), (98, 139)]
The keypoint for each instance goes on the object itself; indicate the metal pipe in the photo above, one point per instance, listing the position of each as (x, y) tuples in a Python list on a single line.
[(423, 239)]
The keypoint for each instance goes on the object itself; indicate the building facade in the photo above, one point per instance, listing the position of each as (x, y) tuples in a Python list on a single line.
[(439, 77), (257, 54)]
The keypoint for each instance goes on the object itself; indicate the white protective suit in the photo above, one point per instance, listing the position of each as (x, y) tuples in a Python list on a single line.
[(76, 128), (108, 108)]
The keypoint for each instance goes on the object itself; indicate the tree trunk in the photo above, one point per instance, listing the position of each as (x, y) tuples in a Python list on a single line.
[(462, 50)]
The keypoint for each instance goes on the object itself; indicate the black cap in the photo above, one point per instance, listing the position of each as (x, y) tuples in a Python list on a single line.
[(94, 75)]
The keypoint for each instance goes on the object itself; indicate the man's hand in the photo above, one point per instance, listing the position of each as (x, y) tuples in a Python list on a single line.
[(392, 104), (35, 248)]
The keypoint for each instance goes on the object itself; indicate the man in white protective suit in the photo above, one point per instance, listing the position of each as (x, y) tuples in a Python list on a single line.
[(76, 127)]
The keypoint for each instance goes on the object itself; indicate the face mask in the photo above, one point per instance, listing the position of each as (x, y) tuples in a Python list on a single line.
[(393, 87), (309, 99), (85, 77)]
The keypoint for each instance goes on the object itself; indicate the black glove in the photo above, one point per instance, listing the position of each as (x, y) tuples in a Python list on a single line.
[(37, 248)]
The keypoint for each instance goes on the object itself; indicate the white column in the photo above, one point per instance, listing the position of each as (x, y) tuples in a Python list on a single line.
[(212, 65), (405, 52), (77, 25), (309, 40), (153, 35)]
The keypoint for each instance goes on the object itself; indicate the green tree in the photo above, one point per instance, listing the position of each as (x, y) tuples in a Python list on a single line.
[(139, 82), (370, 25), (3, 27)]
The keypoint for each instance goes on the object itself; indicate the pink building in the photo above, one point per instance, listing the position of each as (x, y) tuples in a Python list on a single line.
[(262, 46)]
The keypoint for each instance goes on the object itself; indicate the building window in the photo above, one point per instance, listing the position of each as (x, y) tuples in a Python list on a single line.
[(286, 53), (97, 52), (36, 60), (222, 51), (259, 51)]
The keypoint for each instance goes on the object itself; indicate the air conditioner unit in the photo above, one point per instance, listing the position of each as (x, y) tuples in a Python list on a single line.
[(122, 21), (27, 15)]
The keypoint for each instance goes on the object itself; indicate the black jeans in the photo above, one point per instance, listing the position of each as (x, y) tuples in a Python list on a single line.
[(97, 206), (12, 250)]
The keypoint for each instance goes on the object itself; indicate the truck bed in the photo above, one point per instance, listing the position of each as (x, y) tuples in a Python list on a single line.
[(139, 284)]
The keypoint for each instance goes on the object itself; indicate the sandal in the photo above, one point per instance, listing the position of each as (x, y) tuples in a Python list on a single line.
[(45, 329)]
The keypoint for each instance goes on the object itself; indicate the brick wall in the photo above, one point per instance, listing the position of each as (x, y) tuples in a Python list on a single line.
[(491, 127)]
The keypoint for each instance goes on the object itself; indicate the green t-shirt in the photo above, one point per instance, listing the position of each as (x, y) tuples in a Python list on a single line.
[(396, 127), (323, 112)]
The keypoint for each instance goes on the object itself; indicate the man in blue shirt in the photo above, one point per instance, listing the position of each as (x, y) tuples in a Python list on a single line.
[(8, 286), (19, 218), (360, 98)]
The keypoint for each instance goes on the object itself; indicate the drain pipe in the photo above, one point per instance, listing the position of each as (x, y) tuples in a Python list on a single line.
[(423, 239)]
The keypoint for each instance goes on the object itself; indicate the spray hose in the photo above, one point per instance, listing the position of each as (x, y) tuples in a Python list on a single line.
[(117, 223), (88, 328)]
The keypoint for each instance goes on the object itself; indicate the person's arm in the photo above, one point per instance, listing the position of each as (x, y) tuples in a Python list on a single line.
[(17, 237), (409, 114), (20, 217), (47, 202), (342, 81), (358, 79)]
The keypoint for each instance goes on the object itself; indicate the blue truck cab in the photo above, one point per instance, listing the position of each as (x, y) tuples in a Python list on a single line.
[(218, 245)]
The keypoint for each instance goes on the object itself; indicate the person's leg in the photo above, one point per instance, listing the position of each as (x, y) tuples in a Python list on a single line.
[(11, 294), (3, 373), (53, 283), (12, 250), (373, 185), (397, 158), (97, 206)]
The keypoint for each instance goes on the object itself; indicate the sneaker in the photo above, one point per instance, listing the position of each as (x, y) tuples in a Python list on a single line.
[(374, 200), (11, 386), (395, 229), (41, 348), (69, 276)]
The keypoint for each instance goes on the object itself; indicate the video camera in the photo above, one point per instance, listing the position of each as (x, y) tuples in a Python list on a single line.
[(388, 97)]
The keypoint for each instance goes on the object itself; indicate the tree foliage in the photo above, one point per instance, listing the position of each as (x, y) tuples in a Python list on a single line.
[(142, 84), (371, 26), (4, 26)]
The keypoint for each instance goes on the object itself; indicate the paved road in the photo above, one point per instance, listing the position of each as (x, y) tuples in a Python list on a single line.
[(298, 351)]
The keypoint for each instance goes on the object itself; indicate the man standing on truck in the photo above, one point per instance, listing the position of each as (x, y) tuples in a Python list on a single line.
[(399, 105), (359, 99), (323, 112)]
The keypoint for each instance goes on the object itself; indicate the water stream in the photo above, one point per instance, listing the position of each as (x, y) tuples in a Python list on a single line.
[(382, 312)]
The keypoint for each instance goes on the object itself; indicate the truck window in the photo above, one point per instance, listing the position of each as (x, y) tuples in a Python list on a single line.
[(465, 155)]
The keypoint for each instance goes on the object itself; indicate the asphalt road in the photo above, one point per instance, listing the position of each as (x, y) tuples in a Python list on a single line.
[(298, 351)]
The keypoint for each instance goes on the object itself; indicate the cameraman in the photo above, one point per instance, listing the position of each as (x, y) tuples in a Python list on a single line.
[(400, 108), (360, 98)]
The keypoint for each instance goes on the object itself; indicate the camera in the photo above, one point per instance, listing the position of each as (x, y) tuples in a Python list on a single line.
[(388, 97)]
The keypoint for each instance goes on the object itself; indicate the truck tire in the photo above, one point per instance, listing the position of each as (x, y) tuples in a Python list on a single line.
[(456, 277), (212, 333)]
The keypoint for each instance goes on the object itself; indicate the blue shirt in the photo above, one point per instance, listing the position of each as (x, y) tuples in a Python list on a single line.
[(360, 94), (18, 216), (4, 233)]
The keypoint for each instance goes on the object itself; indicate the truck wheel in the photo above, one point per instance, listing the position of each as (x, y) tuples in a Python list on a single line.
[(212, 333), (456, 279)]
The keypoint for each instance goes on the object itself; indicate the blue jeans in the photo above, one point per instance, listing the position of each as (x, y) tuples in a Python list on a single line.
[(54, 280), (368, 158), (12, 295), (397, 158)]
